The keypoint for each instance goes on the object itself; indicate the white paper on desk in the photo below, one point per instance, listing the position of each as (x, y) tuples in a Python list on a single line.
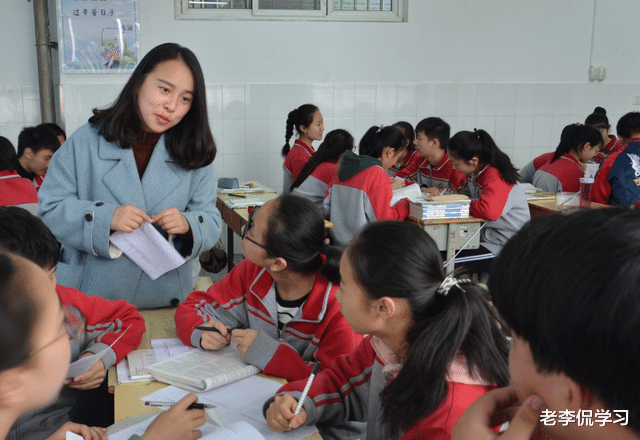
[(239, 401), (412, 190), (122, 368), (84, 364), (73, 436), (244, 202), (166, 348), (148, 249)]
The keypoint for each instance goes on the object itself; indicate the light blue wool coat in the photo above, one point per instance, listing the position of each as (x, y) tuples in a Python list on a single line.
[(87, 180)]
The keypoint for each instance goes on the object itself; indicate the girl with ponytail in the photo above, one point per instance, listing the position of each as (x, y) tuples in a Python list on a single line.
[(495, 192), (434, 343), (280, 301), (578, 144), (361, 192), (313, 180), (308, 123)]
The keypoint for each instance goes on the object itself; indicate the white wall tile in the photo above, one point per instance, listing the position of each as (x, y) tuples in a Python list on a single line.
[(275, 136), (275, 172), (257, 168), (31, 105), (236, 166), (11, 108), (544, 99), (344, 100), (348, 124), (619, 101), (11, 132), (562, 98), (542, 132), (521, 156), (360, 128), (407, 101), (427, 100), (386, 101), (557, 125), (322, 97), (525, 99), (110, 93), (257, 137), (365, 101), (90, 96), (506, 99), (487, 123), (467, 99), (256, 98), (447, 100), (465, 123), (234, 139), (214, 101), (523, 132), (487, 97), (233, 104), (280, 102), (505, 128)]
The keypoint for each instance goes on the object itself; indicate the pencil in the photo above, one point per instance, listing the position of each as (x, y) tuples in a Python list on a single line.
[(316, 367)]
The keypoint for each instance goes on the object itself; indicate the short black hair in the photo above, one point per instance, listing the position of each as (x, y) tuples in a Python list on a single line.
[(37, 138), (56, 129), (26, 235), (598, 119), (435, 128), (568, 285), (8, 155), (629, 125)]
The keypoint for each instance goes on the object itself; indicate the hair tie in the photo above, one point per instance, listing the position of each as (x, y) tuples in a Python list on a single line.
[(449, 282), (379, 129), (326, 248)]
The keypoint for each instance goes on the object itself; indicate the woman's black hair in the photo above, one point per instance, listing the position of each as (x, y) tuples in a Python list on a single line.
[(190, 143), (408, 132), (628, 125), (335, 143), (574, 137), (295, 232), (435, 128), (302, 115), (400, 260), (568, 285), (17, 312), (465, 145), (377, 138), (8, 156), (598, 119)]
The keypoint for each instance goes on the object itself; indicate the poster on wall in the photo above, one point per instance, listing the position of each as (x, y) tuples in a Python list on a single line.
[(99, 36)]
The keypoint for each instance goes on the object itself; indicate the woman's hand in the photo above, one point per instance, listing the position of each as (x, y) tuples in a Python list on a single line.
[(172, 221), (87, 432), (127, 218), (244, 338), (493, 409), (280, 414), (91, 379), (400, 183), (177, 422), (212, 340)]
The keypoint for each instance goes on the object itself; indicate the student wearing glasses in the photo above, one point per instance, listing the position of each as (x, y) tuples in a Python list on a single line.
[(279, 304)]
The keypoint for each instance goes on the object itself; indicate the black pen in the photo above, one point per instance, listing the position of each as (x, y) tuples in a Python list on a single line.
[(194, 405), (213, 329)]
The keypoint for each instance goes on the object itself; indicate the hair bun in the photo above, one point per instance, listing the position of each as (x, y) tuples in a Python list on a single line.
[(600, 110)]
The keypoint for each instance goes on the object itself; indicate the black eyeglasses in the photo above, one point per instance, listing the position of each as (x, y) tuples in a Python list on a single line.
[(252, 210)]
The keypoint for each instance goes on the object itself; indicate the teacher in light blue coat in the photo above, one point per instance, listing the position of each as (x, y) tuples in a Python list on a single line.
[(147, 157)]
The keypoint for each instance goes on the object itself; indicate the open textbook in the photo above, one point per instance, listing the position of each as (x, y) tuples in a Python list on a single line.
[(201, 370)]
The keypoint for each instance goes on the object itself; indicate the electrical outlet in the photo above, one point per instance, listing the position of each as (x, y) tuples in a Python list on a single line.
[(602, 73), (636, 100), (593, 73)]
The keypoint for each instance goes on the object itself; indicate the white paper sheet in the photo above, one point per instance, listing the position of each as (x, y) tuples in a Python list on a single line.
[(73, 436), (166, 348), (148, 249), (239, 401)]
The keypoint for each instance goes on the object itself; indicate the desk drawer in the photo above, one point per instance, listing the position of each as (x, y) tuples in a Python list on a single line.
[(458, 234)]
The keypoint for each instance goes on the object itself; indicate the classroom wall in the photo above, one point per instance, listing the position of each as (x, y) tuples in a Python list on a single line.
[(517, 69)]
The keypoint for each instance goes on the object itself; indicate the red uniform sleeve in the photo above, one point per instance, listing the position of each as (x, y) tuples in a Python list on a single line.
[(411, 169), (493, 198), (457, 179), (380, 194), (107, 320)]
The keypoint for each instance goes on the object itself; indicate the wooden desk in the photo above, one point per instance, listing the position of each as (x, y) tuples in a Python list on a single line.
[(452, 234), (541, 208), (236, 218)]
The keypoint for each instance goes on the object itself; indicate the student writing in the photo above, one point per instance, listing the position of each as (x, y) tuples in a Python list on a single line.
[(409, 150), (308, 123), (313, 180), (598, 119), (434, 343), (578, 144), (104, 323), (497, 195), (361, 191), (572, 306), (36, 146), (280, 292)]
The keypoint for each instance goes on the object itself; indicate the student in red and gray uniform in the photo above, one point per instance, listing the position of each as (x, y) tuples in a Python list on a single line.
[(527, 171), (496, 195), (36, 146), (432, 169), (628, 129), (307, 120), (434, 345), (280, 294), (578, 144), (313, 180), (15, 190), (409, 151), (105, 322), (361, 192), (599, 120)]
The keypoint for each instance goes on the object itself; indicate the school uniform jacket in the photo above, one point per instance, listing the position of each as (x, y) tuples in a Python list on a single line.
[(247, 297), (442, 175), (407, 160), (601, 188), (87, 180), (106, 321), (624, 176), (562, 174), (297, 158), (315, 186), (18, 191), (527, 171), (360, 193), (350, 391), (612, 146), (503, 205)]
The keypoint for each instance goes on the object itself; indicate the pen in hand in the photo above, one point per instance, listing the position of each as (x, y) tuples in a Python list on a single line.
[(194, 405), (205, 328), (316, 367)]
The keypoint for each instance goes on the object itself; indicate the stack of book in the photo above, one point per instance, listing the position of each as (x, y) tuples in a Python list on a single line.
[(431, 209)]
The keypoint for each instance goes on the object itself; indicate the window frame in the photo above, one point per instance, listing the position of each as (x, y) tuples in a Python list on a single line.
[(397, 14)]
